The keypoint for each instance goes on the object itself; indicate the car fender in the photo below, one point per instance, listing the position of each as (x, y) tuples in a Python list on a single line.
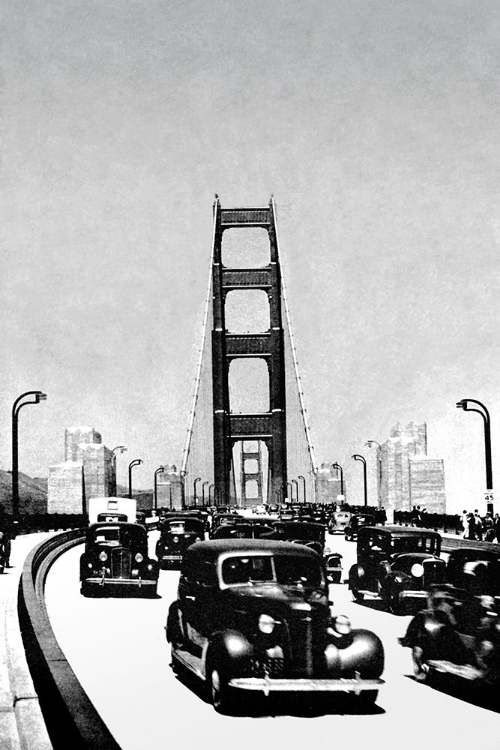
[(356, 576), (397, 581), (228, 649), (361, 651)]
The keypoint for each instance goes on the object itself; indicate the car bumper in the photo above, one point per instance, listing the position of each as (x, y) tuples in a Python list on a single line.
[(413, 594), (306, 685), (120, 582)]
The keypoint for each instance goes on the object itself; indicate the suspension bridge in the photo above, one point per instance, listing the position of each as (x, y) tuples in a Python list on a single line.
[(248, 438)]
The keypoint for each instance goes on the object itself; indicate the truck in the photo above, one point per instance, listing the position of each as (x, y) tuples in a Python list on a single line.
[(103, 509)]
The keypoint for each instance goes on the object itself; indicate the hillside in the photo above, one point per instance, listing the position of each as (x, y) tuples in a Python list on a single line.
[(32, 492)]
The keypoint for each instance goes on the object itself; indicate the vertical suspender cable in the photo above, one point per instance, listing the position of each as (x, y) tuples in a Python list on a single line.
[(185, 455), (294, 357)]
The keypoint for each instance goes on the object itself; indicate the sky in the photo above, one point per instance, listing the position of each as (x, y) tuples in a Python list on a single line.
[(375, 127)]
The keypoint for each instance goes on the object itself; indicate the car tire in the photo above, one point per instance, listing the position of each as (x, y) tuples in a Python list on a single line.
[(173, 630), (420, 667), (86, 590), (395, 604), (220, 692)]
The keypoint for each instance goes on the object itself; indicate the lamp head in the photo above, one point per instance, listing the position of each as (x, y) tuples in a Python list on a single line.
[(40, 397), (462, 404)]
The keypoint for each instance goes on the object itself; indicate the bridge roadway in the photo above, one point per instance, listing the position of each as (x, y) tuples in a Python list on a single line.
[(118, 650)]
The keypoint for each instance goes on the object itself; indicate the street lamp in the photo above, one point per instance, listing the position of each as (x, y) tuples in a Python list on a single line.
[(159, 470), (339, 468), (294, 481), (203, 492), (198, 479), (122, 449), (131, 464), (371, 443), (16, 408), (211, 494), (464, 404), (289, 490), (358, 457), (183, 473), (305, 488)]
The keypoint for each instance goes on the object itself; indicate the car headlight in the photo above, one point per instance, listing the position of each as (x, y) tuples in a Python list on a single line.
[(139, 557), (175, 539), (417, 570), (342, 624), (103, 556), (266, 623), (327, 551), (198, 539)]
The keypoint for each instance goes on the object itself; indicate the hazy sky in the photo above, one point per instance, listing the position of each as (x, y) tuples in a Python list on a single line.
[(375, 126)]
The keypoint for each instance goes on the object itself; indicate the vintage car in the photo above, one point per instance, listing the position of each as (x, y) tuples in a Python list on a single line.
[(455, 644), (355, 522), (177, 533), (254, 615), (116, 560), (110, 516), (246, 529), (312, 535), (338, 521), (224, 519), (398, 564)]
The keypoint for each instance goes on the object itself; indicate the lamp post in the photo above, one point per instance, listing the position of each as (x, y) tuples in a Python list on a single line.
[(122, 449), (294, 481), (371, 443), (159, 470), (304, 486), (464, 404), (289, 490), (131, 464), (183, 473), (358, 457), (16, 408), (198, 479), (211, 494), (340, 469), (203, 491)]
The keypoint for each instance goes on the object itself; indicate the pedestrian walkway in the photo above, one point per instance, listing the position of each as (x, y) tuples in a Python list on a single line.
[(21, 723)]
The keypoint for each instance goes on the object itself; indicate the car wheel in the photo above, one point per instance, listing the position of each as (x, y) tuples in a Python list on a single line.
[(220, 692), (173, 630), (395, 603), (420, 667)]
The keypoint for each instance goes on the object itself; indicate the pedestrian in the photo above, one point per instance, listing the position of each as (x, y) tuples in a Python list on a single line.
[(465, 524), (478, 526), (383, 516), (496, 522), (471, 534), (489, 528)]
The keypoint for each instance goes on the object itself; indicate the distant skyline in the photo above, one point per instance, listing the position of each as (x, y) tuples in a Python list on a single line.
[(375, 126)]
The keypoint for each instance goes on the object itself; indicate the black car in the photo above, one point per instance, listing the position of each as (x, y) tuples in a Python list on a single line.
[(398, 564), (246, 529), (312, 535), (116, 560), (177, 533), (356, 521), (254, 615), (456, 639)]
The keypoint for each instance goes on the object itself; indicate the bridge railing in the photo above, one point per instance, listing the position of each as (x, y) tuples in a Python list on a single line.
[(71, 719), (447, 523)]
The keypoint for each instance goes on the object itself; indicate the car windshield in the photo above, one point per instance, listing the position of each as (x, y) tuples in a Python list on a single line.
[(108, 536), (415, 544), (283, 569)]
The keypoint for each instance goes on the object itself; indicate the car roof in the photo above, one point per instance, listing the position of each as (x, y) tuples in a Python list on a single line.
[(214, 547), (394, 530)]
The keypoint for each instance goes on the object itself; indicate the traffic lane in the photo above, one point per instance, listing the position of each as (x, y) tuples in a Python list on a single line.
[(118, 650)]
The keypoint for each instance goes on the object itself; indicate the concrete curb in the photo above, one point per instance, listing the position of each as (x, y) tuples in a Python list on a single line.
[(22, 726)]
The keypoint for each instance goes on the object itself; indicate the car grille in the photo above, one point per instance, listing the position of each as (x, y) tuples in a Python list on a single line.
[(434, 571), (267, 666), (121, 563)]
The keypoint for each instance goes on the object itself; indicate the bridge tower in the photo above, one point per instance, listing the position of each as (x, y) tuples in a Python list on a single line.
[(268, 427)]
